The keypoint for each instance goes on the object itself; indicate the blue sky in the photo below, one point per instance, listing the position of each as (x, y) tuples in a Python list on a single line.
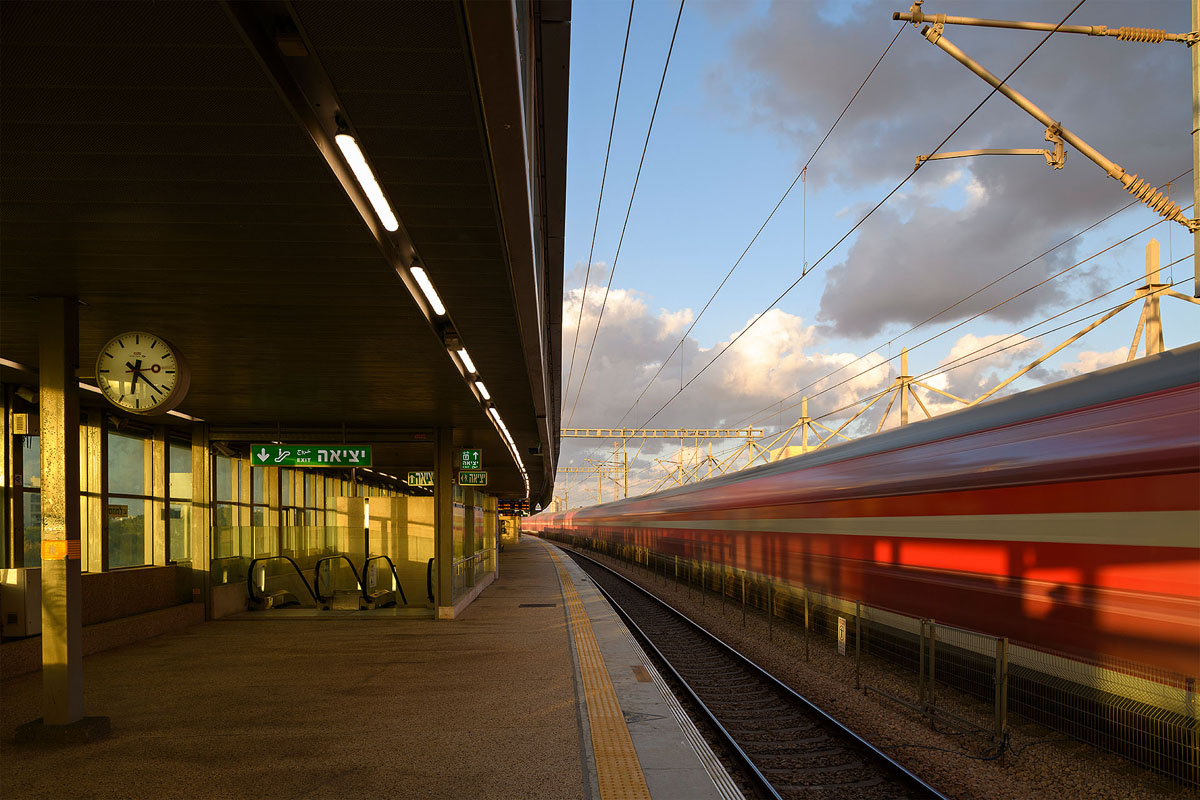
[(750, 90)]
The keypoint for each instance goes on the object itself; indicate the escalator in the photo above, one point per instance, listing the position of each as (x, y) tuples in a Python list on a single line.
[(279, 582)]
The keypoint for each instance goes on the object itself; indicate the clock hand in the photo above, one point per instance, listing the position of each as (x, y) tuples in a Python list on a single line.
[(151, 385), (137, 372)]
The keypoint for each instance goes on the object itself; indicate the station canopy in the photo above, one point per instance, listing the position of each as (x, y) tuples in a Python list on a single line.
[(169, 164)]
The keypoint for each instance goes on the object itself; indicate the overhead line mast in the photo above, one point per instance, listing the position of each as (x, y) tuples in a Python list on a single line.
[(1136, 186)]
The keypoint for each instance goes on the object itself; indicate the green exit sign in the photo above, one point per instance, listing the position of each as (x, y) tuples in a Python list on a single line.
[(474, 478), (420, 479), (471, 459), (310, 455)]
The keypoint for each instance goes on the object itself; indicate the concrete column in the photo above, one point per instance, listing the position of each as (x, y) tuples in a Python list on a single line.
[(7, 443), (62, 611), (62, 617), (201, 519), (443, 515), (157, 484), (97, 476)]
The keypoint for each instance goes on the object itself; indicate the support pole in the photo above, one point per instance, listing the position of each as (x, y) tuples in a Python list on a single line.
[(806, 623), (857, 643), (443, 514), (1001, 720), (904, 380), (805, 423), (1154, 333), (1196, 143), (62, 608)]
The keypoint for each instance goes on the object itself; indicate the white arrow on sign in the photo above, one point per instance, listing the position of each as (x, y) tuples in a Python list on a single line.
[(263, 455)]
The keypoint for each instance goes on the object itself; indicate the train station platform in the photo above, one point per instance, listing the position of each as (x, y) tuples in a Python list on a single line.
[(537, 691)]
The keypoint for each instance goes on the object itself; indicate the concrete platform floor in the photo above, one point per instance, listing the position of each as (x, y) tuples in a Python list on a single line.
[(484, 706)]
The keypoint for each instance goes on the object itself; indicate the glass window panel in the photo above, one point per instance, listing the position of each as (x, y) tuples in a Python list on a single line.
[(128, 531), (181, 471), (31, 460), (258, 491), (126, 464), (258, 516), (180, 518), (225, 515), (225, 486), (31, 503), (285, 483)]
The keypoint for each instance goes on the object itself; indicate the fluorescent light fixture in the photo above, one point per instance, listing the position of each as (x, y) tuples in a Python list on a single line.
[(483, 390), (427, 287), (366, 179), (495, 415), (466, 359)]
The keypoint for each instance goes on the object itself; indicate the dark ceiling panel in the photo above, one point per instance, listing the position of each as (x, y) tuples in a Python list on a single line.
[(150, 167)]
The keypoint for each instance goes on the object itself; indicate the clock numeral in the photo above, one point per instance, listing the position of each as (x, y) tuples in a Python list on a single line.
[(120, 344), (104, 370), (167, 371), (110, 355), (165, 355), (152, 344)]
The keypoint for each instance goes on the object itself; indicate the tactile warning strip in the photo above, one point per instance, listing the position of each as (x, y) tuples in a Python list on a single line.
[(712, 764), (618, 771)]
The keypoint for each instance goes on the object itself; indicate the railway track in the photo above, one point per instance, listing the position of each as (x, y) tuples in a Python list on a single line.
[(787, 746)]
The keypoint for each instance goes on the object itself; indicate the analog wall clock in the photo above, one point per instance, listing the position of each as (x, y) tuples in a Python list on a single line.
[(141, 373)]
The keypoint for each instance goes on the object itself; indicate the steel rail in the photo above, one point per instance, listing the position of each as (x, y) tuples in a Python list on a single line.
[(898, 771)]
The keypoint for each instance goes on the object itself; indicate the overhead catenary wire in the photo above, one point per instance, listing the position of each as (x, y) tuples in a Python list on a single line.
[(990, 349), (863, 219), (771, 408), (599, 200), (633, 192), (800, 178)]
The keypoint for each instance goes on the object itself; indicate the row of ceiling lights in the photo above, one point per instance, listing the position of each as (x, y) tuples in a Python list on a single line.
[(370, 186)]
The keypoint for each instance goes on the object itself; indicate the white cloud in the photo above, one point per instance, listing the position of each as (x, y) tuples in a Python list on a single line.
[(1091, 360), (779, 355), (917, 255)]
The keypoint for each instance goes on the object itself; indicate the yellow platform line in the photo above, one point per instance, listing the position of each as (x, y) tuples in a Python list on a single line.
[(618, 770)]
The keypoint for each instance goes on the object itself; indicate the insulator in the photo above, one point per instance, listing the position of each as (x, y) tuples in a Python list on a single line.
[(1151, 35), (1155, 199)]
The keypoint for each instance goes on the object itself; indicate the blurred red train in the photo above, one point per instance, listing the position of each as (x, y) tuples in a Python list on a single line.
[(1065, 517)]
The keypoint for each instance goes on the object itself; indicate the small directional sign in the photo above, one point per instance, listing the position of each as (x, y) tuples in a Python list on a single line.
[(420, 479), (472, 478), (311, 455), (471, 459)]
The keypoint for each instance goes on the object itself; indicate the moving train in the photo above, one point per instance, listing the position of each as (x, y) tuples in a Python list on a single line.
[(1065, 517)]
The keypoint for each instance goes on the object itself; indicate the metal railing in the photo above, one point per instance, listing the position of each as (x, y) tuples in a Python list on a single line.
[(323, 568), (257, 567), (467, 571), (396, 586), (968, 680)]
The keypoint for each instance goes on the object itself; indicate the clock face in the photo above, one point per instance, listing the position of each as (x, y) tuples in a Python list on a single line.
[(142, 373)]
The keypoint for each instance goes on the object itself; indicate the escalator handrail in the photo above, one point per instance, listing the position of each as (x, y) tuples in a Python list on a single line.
[(317, 575), (429, 579), (299, 572), (396, 575)]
